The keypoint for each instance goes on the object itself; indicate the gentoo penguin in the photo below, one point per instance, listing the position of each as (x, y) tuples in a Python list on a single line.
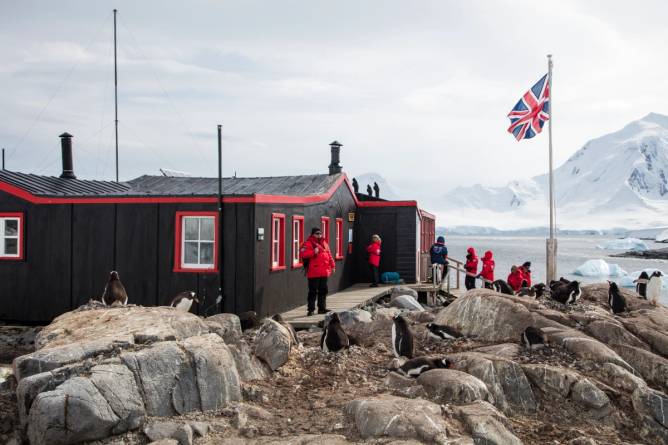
[(416, 366), (114, 291), (564, 280), (615, 299), (248, 320), (654, 287), (567, 293), (402, 338), (502, 287), (527, 292), (293, 334), (532, 338), (540, 289), (184, 300), (333, 337), (442, 332), (641, 284)]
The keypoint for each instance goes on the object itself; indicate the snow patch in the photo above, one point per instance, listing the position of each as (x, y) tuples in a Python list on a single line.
[(624, 244), (599, 268)]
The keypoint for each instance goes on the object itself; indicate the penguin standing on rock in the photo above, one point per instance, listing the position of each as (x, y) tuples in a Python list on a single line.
[(502, 287), (442, 332), (654, 287), (532, 338), (616, 299), (334, 338), (641, 284), (539, 289), (567, 293), (114, 292), (416, 366), (402, 338), (184, 300)]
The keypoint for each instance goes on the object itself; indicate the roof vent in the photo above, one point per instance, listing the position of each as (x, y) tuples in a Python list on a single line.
[(334, 166), (68, 164)]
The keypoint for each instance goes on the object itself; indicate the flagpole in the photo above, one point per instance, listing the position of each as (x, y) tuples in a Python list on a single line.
[(551, 245)]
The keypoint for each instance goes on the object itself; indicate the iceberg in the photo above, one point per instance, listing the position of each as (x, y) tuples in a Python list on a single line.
[(627, 281), (624, 244), (662, 237), (599, 268)]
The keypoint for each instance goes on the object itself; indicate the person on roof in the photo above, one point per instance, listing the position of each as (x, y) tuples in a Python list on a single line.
[(515, 278), (439, 259), (526, 272), (373, 250), (487, 272), (471, 268), (319, 265)]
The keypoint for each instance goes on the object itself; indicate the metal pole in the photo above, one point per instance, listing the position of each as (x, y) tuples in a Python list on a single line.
[(116, 94), (220, 216), (3, 158), (551, 251)]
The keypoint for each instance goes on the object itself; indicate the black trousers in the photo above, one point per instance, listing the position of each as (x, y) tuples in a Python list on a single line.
[(488, 285), (469, 282), (374, 274), (317, 287)]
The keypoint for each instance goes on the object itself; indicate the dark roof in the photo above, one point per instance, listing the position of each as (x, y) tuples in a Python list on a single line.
[(170, 186)]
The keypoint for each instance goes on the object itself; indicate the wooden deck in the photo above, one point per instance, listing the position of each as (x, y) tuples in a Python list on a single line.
[(355, 296)]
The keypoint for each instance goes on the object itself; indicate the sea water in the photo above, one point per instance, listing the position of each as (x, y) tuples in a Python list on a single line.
[(572, 252)]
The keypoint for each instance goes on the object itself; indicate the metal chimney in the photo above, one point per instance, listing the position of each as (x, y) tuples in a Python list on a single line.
[(68, 164), (334, 166)]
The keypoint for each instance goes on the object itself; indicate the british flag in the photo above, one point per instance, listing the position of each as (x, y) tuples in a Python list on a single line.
[(532, 111)]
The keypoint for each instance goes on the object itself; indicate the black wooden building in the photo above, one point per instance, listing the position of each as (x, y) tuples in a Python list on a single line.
[(61, 236)]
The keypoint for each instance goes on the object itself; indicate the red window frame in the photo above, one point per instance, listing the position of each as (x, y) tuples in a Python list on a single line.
[(277, 263), (324, 227), (339, 239), (296, 243), (178, 237), (21, 240)]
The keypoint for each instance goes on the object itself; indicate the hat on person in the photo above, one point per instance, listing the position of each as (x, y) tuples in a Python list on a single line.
[(440, 239), (315, 229), (527, 264)]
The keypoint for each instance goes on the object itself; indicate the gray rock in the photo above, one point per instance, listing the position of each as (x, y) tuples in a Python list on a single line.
[(117, 385), (228, 326), (402, 290), (620, 378), (74, 412), (504, 378), (353, 316), (652, 403), (200, 429), (406, 302), (551, 379), (30, 387), (587, 394), (612, 333), (582, 441), (165, 442), (182, 433), (397, 381), (451, 386), (652, 367), (584, 347), (386, 313), (505, 350), (248, 365), (395, 417), (273, 344), (486, 425)]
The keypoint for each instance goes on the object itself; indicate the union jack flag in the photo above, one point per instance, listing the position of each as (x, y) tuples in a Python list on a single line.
[(531, 112)]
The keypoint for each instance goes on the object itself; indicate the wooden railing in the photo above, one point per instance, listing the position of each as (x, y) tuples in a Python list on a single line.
[(455, 268)]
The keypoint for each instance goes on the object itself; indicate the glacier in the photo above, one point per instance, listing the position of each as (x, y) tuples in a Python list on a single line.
[(624, 244)]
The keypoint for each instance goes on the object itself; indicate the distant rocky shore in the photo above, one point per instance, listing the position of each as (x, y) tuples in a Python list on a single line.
[(652, 254)]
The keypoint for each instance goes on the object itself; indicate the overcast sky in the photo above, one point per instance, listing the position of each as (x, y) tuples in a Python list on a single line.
[(416, 91)]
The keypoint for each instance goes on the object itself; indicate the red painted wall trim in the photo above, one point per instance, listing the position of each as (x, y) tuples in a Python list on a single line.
[(339, 241), (22, 236), (178, 267), (427, 215), (324, 227), (300, 263), (281, 243)]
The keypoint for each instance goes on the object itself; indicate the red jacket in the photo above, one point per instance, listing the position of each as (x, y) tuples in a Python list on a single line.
[(373, 250), (471, 265), (487, 271), (515, 280), (320, 264), (526, 275)]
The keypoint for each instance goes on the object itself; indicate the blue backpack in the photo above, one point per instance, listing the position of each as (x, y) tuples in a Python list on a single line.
[(390, 278)]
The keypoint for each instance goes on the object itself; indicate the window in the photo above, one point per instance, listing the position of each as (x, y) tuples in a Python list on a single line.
[(11, 236), (324, 226), (277, 241), (297, 239), (196, 242), (339, 238)]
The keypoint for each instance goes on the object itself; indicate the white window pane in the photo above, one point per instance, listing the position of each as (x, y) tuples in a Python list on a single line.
[(206, 233), (190, 253), (11, 246), (11, 227), (191, 229), (206, 253)]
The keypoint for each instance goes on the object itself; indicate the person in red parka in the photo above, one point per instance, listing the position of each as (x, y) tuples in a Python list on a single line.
[(515, 278), (487, 272), (319, 265), (526, 272), (471, 267), (373, 250)]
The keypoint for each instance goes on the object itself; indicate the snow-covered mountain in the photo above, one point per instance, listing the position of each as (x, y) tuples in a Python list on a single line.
[(620, 179), (386, 190)]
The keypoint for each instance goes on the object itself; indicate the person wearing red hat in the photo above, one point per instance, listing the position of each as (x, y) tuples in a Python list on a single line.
[(487, 272), (471, 268)]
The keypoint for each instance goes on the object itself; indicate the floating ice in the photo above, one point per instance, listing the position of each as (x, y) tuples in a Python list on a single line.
[(662, 237), (627, 281), (599, 268), (624, 244)]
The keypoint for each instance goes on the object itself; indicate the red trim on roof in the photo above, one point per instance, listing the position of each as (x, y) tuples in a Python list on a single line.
[(387, 204)]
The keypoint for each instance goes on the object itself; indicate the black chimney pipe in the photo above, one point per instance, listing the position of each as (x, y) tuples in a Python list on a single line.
[(334, 166), (68, 164)]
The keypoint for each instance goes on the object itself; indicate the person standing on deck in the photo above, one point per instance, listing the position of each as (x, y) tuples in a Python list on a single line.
[(319, 266), (471, 268), (487, 272), (439, 257), (373, 250)]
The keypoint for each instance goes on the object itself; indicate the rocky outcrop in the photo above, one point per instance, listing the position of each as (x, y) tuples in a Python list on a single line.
[(228, 326), (406, 302), (396, 417), (273, 344), (486, 425), (451, 386)]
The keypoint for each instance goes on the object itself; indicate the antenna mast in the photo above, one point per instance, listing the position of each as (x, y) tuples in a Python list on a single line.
[(116, 95)]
